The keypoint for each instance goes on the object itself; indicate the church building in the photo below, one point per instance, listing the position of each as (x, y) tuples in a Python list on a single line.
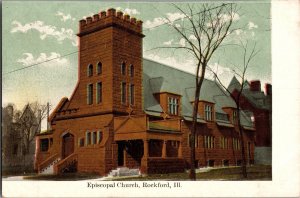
[(128, 111)]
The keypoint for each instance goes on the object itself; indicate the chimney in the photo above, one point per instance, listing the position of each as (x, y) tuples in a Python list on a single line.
[(255, 85), (268, 89)]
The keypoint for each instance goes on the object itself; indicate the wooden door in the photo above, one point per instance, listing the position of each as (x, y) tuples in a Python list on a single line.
[(68, 145)]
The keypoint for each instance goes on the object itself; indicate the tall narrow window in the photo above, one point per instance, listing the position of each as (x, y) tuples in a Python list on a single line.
[(81, 142), (131, 70), (88, 138), (99, 92), (94, 138), (208, 112), (99, 68), (90, 70), (209, 142), (131, 94), (99, 137), (123, 92), (123, 68), (173, 105), (90, 94), (234, 116)]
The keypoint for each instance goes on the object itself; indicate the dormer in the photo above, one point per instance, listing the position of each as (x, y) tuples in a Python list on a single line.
[(206, 110), (170, 103), (232, 113)]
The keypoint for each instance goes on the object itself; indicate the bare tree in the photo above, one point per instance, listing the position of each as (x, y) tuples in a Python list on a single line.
[(30, 123), (236, 95), (202, 30)]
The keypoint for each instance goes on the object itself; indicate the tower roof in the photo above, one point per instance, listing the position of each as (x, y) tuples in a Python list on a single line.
[(234, 84)]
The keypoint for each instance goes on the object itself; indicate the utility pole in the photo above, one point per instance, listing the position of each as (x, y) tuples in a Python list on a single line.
[(48, 109)]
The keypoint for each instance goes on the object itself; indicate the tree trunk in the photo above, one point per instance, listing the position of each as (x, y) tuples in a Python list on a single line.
[(192, 140), (244, 163)]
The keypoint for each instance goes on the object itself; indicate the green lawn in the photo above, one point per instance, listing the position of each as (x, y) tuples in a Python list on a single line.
[(64, 177), (257, 172)]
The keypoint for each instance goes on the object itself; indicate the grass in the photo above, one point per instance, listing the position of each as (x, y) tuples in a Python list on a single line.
[(63, 177), (256, 172)]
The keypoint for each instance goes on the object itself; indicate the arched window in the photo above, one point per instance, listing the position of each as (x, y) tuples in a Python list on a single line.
[(99, 68), (131, 71), (123, 68), (90, 70)]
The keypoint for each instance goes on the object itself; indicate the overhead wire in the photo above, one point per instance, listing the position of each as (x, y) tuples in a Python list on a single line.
[(145, 29)]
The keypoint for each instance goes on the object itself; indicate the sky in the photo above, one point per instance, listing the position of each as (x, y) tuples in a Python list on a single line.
[(35, 32)]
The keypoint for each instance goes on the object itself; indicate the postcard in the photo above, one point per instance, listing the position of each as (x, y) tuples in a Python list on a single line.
[(160, 99)]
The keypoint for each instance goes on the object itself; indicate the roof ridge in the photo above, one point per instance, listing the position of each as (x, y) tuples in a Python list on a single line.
[(169, 66)]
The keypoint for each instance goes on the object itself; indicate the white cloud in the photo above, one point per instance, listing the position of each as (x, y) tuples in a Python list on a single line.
[(175, 16), (182, 42), (251, 25), (238, 32), (129, 11), (171, 17), (219, 69), (64, 17), (46, 31), (177, 25), (28, 59), (168, 42), (187, 65), (156, 22), (192, 37), (223, 73)]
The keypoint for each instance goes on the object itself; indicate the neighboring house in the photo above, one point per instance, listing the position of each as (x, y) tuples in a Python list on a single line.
[(133, 112), (15, 158), (255, 100)]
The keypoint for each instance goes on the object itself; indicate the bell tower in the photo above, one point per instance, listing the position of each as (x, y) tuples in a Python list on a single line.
[(110, 63)]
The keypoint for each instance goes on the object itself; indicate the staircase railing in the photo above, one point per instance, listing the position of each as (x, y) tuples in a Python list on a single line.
[(47, 161), (65, 163)]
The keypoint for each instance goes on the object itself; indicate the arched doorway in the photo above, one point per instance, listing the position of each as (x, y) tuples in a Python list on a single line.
[(67, 145)]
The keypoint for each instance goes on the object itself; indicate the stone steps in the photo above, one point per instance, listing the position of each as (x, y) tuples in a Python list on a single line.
[(49, 169), (124, 171)]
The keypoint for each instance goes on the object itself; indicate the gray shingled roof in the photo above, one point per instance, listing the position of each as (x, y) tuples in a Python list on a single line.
[(162, 78), (234, 84)]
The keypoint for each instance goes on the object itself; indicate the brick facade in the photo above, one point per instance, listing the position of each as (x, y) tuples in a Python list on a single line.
[(98, 136)]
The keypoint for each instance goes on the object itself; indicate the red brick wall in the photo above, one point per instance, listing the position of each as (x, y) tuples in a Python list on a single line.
[(99, 158), (169, 165), (217, 153), (127, 48)]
